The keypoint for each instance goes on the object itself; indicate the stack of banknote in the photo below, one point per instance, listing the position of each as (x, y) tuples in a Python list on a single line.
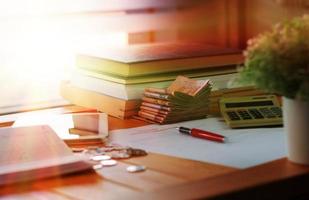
[(185, 99)]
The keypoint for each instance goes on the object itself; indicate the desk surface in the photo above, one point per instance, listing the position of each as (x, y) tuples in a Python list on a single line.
[(166, 177)]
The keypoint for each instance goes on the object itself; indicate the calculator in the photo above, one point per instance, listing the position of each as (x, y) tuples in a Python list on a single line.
[(251, 111)]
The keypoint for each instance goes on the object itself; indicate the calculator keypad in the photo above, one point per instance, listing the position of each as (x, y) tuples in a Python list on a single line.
[(277, 111), (267, 112), (255, 113), (244, 114), (233, 115)]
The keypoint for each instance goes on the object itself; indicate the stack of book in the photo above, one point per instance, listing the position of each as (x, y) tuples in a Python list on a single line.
[(113, 80), (184, 99)]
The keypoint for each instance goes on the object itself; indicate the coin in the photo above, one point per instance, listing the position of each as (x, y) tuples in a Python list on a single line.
[(107, 163), (136, 168), (136, 152), (96, 167), (119, 154), (100, 157), (107, 149)]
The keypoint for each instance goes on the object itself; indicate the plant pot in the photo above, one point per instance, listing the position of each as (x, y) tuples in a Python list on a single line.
[(296, 127)]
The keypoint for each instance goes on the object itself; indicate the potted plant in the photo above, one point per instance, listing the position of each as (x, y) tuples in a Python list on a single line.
[(278, 61)]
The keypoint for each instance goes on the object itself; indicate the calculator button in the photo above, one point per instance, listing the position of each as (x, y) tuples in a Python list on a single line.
[(267, 112), (233, 115), (277, 111), (255, 113), (244, 114)]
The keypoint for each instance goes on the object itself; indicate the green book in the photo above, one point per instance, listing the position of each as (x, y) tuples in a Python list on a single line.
[(150, 59), (169, 76)]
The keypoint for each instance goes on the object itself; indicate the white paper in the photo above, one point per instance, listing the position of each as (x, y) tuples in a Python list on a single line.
[(244, 148)]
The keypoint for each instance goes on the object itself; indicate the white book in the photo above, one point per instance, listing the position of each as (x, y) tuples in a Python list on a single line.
[(135, 91), (35, 152)]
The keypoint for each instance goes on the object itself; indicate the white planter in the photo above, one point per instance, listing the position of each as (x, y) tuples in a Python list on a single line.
[(296, 127)]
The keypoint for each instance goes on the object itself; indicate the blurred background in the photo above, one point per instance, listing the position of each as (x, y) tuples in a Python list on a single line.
[(39, 38)]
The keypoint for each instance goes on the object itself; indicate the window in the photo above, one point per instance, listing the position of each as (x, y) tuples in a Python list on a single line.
[(39, 38)]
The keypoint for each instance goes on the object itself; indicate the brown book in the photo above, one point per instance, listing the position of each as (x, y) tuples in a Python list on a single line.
[(151, 116), (156, 106), (153, 110), (113, 106), (156, 101), (156, 95), (184, 99), (172, 117), (156, 90)]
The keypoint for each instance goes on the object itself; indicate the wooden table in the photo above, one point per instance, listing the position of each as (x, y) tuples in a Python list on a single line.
[(167, 177)]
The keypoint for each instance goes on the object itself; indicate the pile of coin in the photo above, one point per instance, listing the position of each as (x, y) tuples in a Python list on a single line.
[(103, 156), (102, 160), (115, 152)]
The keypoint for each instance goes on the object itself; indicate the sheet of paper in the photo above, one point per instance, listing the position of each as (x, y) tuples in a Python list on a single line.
[(245, 147)]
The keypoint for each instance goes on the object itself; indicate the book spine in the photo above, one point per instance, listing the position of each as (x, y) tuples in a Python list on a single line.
[(156, 106), (165, 119), (153, 110), (152, 117), (156, 101), (156, 90), (156, 95), (154, 114)]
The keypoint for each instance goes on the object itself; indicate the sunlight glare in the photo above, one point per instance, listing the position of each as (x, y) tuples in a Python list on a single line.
[(39, 51)]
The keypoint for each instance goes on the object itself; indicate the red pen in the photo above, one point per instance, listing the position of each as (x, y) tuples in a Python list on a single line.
[(202, 134)]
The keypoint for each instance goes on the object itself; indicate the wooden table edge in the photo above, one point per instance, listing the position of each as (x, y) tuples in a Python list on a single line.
[(279, 179)]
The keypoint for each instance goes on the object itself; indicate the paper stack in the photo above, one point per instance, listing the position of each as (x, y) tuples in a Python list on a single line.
[(184, 99)]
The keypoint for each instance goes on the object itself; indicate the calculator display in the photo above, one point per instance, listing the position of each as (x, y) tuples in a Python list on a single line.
[(248, 104)]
